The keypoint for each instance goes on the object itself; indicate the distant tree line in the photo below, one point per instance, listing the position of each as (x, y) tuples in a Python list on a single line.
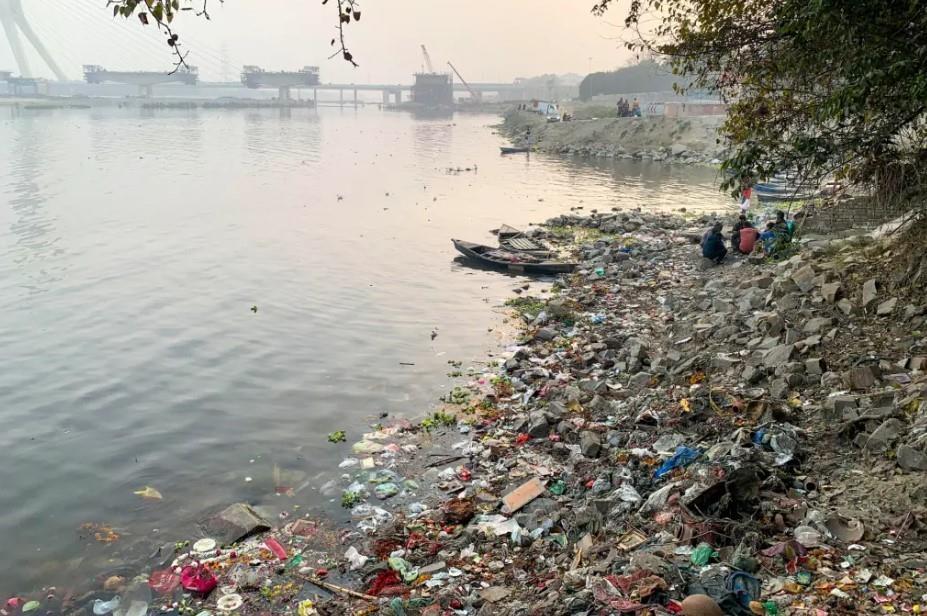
[(648, 76)]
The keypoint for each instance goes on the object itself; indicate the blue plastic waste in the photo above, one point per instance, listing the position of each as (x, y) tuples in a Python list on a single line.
[(758, 436), (683, 457), (744, 586)]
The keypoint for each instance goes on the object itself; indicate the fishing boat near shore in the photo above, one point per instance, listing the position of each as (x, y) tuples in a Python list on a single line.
[(515, 240), (514, 150), (515, 262)]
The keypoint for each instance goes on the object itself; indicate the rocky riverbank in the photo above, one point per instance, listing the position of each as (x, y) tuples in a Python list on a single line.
[(751, 435), (657, 138)]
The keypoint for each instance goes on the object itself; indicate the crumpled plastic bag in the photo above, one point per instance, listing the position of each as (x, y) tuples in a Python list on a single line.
[(404, 568), (683, 457), (356, 559)]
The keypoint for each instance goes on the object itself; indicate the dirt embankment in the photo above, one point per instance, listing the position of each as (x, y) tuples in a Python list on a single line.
[(679, 140)]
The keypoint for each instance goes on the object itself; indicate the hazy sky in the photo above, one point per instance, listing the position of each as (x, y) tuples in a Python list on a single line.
[(488, 40)]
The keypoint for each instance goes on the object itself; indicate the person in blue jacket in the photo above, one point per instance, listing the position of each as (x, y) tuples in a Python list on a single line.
[(713, 244)]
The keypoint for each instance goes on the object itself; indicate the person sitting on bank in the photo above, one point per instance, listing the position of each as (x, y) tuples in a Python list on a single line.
[(741, 223), (748, 237), (783, 227), (713, 244), (768, 238)]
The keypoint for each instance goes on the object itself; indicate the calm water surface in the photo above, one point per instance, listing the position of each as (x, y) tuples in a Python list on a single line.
[(132, 247)]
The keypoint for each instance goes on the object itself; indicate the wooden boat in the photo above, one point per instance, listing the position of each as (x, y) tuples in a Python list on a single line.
[(515, 262), (506, 231), (526, 245), (515, 150), (515, 240), (776, 191)]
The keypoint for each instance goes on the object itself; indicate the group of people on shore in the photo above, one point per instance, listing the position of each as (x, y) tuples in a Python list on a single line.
[(747, 239), (628, 109)]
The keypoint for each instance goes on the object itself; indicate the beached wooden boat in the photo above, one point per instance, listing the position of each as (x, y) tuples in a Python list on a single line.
[(515, 240), (515, 150), (506, 231), (526, 245), (515, 262)]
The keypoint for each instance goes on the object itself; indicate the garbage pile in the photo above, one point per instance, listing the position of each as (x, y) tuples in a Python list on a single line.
[(664, 439)]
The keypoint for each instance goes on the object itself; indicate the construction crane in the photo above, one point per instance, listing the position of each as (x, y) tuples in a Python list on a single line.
[(474, 95), (428, 65)]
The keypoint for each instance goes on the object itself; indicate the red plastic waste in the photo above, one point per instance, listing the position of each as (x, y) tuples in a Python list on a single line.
[(386, 584), (164, 581), (274, 546), (198, 578)]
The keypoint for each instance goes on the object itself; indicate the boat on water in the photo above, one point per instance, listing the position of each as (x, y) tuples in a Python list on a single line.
[(786, 187), (514, 150), (783, 191), (515, 262)]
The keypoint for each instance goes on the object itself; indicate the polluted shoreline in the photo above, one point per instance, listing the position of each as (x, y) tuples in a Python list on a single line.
[(663, 437)]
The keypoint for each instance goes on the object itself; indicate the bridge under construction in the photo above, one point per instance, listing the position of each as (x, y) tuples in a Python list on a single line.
[(53, 78)]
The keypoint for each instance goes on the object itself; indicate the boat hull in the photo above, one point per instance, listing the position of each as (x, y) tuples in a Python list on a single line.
[(516, 264)]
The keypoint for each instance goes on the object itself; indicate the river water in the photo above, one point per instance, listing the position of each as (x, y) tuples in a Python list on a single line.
[(133, 245)]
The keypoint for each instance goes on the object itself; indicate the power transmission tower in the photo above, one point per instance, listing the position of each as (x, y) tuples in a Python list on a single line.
[(14, 22)]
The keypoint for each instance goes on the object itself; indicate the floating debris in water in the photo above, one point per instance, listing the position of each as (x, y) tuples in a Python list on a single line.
[(149, 493)]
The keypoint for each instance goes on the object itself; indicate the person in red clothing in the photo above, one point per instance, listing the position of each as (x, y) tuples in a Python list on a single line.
[(748, 236)]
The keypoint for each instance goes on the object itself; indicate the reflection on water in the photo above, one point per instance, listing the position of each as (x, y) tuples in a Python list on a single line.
[(37, 243), (132, 248)]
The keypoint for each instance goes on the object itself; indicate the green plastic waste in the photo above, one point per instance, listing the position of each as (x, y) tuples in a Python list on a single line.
[(396, 606), (558, 487), (294, 563), (31, 606), (404, 568), (702, 554), (772, 609)]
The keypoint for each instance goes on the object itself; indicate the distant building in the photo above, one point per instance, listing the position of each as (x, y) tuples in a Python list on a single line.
[(545, 108), (433, 90)]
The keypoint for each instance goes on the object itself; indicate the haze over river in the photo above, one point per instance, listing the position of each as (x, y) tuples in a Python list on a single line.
[(133, 245)]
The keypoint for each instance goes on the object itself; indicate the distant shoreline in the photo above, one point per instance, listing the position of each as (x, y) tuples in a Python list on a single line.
[(685, 140)]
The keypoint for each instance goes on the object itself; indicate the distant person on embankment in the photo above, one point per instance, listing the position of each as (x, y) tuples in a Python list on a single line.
[(713, 244), (746, 192)]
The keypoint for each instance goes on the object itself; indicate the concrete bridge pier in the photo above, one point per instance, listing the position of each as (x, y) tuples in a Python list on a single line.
[(283, 93), (355, 97), (146, 91)]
